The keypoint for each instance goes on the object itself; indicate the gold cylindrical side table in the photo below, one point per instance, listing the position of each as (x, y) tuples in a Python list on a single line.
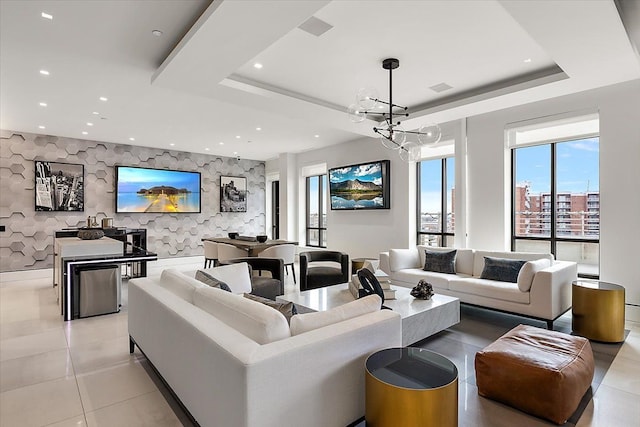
[(411, 387), (598, 310)]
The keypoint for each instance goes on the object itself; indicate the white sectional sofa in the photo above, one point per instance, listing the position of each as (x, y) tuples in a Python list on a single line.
[(235, 362), (543, 293)]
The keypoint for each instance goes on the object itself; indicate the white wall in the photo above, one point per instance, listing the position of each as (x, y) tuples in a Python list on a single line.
[(367, 233), (489, 177)]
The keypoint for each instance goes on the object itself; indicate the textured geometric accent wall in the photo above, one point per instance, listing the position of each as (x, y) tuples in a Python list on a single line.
[(27, 242)]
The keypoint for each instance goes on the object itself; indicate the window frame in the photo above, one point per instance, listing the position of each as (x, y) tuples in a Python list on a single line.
[(321, 228), (443, 234), (553, 238)]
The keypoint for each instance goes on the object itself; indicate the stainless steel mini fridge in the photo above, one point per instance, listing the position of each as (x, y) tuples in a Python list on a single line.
[(98, 290)]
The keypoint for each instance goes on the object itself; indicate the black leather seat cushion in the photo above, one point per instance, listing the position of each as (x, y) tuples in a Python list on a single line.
[(266, 287), (318, 277)]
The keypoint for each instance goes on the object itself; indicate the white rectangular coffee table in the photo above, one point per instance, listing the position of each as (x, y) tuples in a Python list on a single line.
[(420, 318)]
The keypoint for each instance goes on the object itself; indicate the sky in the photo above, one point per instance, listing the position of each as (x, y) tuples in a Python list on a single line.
[(130, 179), (577, 166), (370, 172)]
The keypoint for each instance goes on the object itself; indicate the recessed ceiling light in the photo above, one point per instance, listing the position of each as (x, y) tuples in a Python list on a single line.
[(156, 33), (172, 144), (258, 128), (89, 124), (257, 65), (102, 98), (316, 136), (132, 139), (85, 132), (235, 152), (46, 15), (221, 143), (206, 149), (44, 72), (95, 113), (527, 60), (43, 104), (40, 127)]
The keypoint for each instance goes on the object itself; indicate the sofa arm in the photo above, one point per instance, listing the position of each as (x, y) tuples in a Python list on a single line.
[(384, 262), (551, 288)]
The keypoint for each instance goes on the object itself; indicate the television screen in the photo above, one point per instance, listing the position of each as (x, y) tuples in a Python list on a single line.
[(156, 190), (361, 186)]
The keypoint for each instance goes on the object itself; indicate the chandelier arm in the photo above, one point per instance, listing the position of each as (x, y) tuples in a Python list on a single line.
[(415, 132), (389, 103)]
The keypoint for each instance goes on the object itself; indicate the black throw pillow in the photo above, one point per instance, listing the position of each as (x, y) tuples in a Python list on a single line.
[(287, 308), (208, 279), (440, 262), (501, 269)]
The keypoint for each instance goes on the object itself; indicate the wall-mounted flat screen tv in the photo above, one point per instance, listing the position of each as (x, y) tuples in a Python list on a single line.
[(156, 190), (361, 186)]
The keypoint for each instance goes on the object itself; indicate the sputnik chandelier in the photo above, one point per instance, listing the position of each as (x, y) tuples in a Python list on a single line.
[(391, 133)]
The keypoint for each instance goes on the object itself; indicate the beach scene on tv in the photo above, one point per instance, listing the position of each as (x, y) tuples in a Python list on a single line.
[(155, 190), (356, 187)]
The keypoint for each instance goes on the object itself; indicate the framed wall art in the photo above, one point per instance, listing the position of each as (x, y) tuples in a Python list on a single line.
[(233, 194), (59, 186)]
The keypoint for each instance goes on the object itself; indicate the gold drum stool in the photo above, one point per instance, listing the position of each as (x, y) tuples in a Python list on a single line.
[(410, 387), (598, 310)]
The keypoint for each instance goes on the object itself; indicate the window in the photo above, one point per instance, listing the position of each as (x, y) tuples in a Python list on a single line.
[(556, 201), (317, 211), (436, 199)]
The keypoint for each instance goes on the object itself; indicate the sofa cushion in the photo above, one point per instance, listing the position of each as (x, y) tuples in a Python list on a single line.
[(478, 258), (209, 280), (464, 257), (180, 284), (236, 276), (528, 270), (288, 309), (413, 275), (254, 320), (399, 259), (505, 291), (440, 261), (501, 269), (301, 323)]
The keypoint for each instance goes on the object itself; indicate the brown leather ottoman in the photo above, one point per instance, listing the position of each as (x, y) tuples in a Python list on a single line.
[(541, 372)]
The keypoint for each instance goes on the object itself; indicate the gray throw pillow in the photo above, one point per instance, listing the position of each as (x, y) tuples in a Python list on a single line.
[(501, 269), (440, 262), (207, 279), (286, 308)]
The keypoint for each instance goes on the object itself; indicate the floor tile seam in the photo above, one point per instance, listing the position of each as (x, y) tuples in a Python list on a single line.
[(35, 354), (125, 400), (625, 359)]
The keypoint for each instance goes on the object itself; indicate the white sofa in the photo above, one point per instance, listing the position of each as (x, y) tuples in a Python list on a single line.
[(244, 365), (544, 294)]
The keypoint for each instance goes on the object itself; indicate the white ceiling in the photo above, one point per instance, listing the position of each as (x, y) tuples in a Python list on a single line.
[(196, 86)]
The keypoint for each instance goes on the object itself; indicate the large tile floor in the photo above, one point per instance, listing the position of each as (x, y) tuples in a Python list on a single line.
[(80, 373)]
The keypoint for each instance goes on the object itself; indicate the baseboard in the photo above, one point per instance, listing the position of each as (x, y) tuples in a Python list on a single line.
[(632, 313)]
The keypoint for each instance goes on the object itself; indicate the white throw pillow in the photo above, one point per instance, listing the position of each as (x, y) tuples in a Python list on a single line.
[(256, 321), (301, 323), (528, 270), (236, 276), (180, 284)]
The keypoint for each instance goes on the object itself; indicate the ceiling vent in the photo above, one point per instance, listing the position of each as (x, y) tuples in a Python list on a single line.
[(440, 87), (315, 26)]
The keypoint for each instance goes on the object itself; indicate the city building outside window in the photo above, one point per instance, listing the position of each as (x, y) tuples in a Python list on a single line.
[(316, 217), (556, 201), (436, 200)]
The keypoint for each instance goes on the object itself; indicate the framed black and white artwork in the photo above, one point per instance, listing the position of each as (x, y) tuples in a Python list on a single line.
[(233, 194), (59, 186)]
